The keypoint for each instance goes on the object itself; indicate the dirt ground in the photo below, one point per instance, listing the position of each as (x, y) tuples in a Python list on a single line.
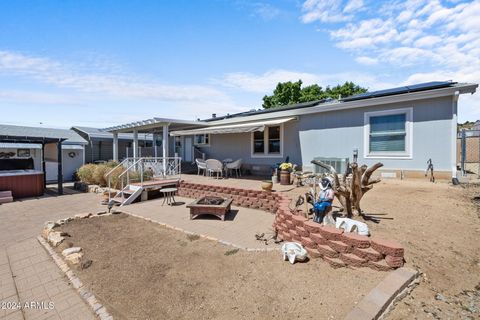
[(143, 271), (439, 226)]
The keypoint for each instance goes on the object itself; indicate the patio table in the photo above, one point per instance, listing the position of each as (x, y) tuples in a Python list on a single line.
[(168, 195)]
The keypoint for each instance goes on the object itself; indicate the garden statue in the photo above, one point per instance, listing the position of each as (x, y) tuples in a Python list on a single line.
[(324, 203)]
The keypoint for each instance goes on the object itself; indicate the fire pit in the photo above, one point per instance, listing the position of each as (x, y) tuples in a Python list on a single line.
[(210, 205)]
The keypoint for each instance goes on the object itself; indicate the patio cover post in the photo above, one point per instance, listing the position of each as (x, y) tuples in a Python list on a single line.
[(115, 146), (135, 143), (43, 166), (165, 146), (60, 171)]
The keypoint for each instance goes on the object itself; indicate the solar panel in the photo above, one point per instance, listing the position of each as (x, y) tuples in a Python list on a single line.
[(400, 90)]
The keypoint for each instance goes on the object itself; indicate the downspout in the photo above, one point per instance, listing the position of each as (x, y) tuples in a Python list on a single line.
[(453, 148)]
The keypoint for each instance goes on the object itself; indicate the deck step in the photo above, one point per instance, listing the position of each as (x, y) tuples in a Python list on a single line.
[(6, 196)]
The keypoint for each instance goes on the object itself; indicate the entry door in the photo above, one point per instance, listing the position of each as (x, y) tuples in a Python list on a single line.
[(188, 149)]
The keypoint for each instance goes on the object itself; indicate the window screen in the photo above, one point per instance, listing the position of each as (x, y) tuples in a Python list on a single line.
[(387, 133)]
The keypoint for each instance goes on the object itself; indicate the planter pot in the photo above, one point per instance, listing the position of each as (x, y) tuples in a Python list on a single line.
[(267, 185), (285, 177)]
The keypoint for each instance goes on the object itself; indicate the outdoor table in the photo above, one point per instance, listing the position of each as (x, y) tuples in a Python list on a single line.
[(168, 196)]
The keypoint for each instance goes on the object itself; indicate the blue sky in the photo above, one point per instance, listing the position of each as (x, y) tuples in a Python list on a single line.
[(102, 63)]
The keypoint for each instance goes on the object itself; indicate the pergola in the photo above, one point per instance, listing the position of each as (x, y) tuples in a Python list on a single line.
[(43, 141), (154, 126)]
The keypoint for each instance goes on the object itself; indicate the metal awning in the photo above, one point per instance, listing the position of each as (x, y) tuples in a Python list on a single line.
[(233, 128), (6, 145)]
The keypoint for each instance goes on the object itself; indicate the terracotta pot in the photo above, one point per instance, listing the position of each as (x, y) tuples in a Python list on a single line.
[(284, 177), (267, 185)]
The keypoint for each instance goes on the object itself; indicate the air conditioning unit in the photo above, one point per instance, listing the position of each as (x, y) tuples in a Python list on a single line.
[(339, 164)]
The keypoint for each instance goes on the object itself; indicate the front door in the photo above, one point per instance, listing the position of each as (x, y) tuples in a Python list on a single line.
[(188, 149)]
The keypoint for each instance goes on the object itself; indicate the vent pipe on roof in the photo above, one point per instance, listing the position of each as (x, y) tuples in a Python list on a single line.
[(214, 115)]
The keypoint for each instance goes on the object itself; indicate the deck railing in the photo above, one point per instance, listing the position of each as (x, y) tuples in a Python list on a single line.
[(141, 170)]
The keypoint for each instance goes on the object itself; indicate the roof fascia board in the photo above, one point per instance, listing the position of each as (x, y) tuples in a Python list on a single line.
[(335, 106)]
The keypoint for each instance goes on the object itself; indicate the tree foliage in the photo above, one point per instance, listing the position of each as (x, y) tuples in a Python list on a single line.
[(292, 92)]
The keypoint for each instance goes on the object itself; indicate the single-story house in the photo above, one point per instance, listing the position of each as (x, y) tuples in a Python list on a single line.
[(401, 127), (100, 144), (41, 145)]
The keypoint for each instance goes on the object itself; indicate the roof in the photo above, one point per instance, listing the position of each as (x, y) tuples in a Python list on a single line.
[(10, 145), (103, 134), (149, 124), (10, 132)]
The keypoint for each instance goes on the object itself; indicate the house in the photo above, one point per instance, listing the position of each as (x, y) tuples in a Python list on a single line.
[(100, 144), (41, 145), (401, 127)]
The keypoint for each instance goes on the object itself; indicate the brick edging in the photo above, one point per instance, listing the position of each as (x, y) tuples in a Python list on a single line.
[(98, 309), (381, 298)]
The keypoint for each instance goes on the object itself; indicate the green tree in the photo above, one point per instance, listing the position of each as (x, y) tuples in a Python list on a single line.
[(292, 92)]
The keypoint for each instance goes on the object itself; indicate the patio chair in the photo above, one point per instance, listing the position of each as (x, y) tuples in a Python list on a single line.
[(201, 165), (214, 166), (235, 165)]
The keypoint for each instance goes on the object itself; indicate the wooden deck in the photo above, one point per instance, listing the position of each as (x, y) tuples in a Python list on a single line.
[(155, 184)]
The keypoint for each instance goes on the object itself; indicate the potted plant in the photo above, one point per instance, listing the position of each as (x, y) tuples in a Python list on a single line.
[(285, 170), (267, 185)]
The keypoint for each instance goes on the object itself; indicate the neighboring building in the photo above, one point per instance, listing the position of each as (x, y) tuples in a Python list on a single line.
[(20, 142), (100, 144), (401, 127)]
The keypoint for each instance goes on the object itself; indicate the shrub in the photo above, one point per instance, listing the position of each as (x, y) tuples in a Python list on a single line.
[(99, 174), (86, 173)]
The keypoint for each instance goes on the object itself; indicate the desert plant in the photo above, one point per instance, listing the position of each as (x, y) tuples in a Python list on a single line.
[(99, 174), (86, 173)]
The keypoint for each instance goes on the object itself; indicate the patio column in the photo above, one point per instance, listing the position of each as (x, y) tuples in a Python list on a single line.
[(135, 143), (165, 147), (60, 169), (453, 148), (115, 146)]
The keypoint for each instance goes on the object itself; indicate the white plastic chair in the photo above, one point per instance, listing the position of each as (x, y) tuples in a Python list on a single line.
[(235, 165), (201, 165), (214, 166)]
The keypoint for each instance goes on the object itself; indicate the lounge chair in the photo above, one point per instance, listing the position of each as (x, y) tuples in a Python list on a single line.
[(235, 165), (201, 165), (214, 166)]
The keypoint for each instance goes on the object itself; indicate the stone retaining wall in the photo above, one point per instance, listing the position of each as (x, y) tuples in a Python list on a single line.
[(337, 248)]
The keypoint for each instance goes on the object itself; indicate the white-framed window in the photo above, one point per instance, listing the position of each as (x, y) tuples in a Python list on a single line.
[(388, 134), (268, 143), (202, 139)]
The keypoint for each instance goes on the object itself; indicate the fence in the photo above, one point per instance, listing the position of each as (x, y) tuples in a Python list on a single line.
[(468, 152)]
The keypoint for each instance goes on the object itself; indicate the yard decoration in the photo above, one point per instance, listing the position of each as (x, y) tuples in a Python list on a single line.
[(350, 190), (285, 169)]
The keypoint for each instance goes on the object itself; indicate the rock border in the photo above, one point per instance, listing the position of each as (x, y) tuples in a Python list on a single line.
[(98, 309), (379, 300)]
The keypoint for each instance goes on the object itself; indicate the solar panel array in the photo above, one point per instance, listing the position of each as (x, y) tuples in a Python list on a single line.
[(400, 90)]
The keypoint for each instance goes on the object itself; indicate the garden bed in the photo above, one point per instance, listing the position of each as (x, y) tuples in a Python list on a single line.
[(143, 270)]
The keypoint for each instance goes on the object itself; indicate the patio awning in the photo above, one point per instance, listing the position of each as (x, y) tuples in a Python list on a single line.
[(233, 128), (11, 145)]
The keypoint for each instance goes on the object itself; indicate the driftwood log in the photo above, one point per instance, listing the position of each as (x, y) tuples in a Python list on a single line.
[(354, 184)]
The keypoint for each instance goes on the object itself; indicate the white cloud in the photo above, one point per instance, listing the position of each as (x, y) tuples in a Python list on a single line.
[(366, 60), (64, 75), (328, 10), (265, 11), (353, 5)]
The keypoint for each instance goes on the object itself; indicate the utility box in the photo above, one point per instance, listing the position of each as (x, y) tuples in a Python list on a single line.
[(339, 164)]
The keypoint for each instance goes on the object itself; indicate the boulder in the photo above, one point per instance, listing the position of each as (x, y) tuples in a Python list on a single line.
[(74, 257), (83, 215), (55, 238), (71, 250)]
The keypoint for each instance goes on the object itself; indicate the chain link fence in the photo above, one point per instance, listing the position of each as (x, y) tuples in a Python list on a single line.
[(468, 152)]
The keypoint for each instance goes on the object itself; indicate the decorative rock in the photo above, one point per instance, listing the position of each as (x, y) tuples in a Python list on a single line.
[(356, 240), (394, 262), (55, 238), (50, 225), (368, 254), (74, 257), (353, 260), (387, 247), (86, 264), (83, 215), (331, 233), (71, 250), (99, 213)]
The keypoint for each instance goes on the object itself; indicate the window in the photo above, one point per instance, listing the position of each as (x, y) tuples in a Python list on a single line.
[(268, 143), (388, 134), (202, 139)]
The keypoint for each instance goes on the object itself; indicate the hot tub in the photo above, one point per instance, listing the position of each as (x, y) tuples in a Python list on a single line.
[(22, 183)]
